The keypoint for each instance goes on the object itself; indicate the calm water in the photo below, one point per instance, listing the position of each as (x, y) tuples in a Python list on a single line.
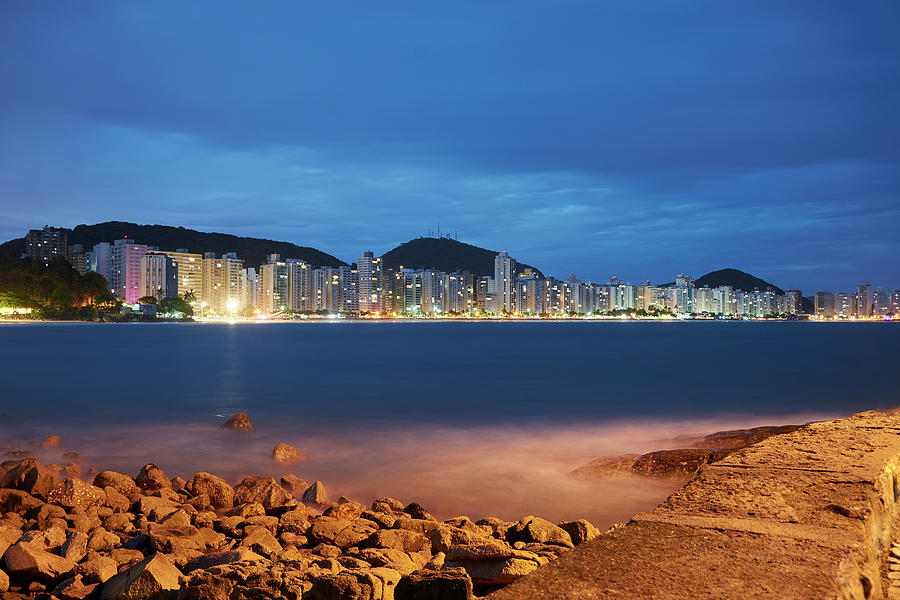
[(432, 411)]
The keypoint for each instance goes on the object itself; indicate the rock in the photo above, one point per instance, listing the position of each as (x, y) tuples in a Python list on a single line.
[(247, 509), (264, 490), (437, 562), (120, 482), (682, 462), (76, 493), (315, 494), (75, 546), (152, 478), (173, 536), (347, 510), (103, 541), (154, 578), (262, 541), (51, 441), (4, 581), (30, 476), (394, 559), (347, 585), (154, 508), (27, 560), (74, 588), (398, 539), (221, 495), (287, 455), (536, 529), (387, 505), (17, 501), (223, 558), (446, 584), (178, 483), (293, 485), (417, 511), (500, 571), (126, 557), (117, 501), (295, 520), (97, 569), (580, 531), (238, 422), (207, 586)]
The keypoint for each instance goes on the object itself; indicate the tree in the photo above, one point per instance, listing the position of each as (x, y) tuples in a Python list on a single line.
[(147, 300), (175, 305)]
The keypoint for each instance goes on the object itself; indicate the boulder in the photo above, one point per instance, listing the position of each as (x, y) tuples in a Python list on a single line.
[(394, 559), (246, 510), (17, 501), (97, 569), (347, 510), (262, 541), (293, 485), (315, 494), (101, 540), (174, 536), (30, 476), (340, 532), (51, 441), (347, 585), (417, 511), (446, 584), (76, 493), (75, 547), (116, 500), (4, 581), (74, 588), (120, 482), (152, 478), (387, 505), (398, 539), (536, 529), (221, 495), (238, 422), (28, 560), (580, 531), (683, 462), (207, 586), (287, 455), (500, 571), (223, 558), (264, 490), (154, 578)]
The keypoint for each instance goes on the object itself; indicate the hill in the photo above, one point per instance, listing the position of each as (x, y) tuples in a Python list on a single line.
[(737, 280), (252, 250), (446, 255)]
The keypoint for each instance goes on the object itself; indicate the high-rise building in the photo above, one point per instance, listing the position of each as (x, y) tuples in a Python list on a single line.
[(251, 289), (370, 282), (432, 291), (824, 305), (394, 292), (864, 300), (190, 271), (99, 260), (505, 283), (881, 302), (413, 300), (46, 244), (301, 290), (529, 294), (159, 276), (273, 285), (222, 285), (796, 297), (456, 296), (125, 269), (845, 305), (328, 289), (349, 278), (78, 258)]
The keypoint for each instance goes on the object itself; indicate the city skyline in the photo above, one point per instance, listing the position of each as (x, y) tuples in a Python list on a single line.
[(588, 137)]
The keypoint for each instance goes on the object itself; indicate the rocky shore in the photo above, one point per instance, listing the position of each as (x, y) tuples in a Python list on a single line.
[(68, 534)]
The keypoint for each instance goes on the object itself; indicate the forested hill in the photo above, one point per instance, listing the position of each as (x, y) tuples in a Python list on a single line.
[(252, 250), (738, 280), (446, 255)]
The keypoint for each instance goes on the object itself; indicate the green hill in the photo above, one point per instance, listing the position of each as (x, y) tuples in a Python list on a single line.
[(737, 280), (252, 250), (446, 255)]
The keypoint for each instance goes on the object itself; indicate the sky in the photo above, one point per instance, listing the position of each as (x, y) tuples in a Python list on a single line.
[(595, 138)]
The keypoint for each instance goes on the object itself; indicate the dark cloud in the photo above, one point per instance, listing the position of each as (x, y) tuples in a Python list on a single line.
[(697, 134)]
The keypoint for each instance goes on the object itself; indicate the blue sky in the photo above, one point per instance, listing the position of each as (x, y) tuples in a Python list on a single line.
[(584, 137)]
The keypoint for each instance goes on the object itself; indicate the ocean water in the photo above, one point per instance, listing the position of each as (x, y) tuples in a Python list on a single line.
[(477, 418)]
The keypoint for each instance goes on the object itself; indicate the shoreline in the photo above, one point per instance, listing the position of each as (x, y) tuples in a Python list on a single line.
[(206, 527)]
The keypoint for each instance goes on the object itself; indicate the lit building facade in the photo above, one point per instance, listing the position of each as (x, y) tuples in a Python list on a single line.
[(46, 244), (159, 276)]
